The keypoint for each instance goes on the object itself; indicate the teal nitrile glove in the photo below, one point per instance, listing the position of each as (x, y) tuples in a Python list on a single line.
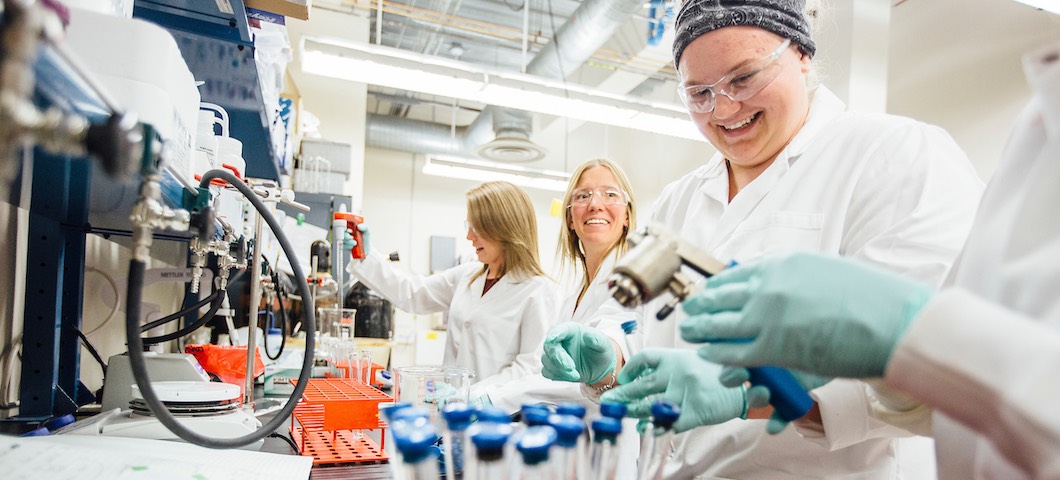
[(683, 378), (482, 401), (576, 353), (439, 392), (364, 237), (737, 376), (822, 315), (347, 242)]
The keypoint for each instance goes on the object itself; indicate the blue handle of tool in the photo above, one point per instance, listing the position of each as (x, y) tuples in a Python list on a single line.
[(786, 394), (789, 400)]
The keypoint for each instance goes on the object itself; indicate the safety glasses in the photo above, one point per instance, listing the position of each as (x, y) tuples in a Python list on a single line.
[(739, 85), (608, 196)]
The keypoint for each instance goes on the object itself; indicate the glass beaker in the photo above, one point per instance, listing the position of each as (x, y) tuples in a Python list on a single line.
[(336, 322), (432, 387)]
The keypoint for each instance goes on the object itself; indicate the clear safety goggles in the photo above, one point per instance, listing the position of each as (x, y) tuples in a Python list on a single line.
[(607, 196), (739, 85)]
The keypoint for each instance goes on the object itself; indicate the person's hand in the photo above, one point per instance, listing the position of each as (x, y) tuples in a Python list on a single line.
[(683, 378), (364, 237), (576, 353), (439, 393), (758, 395), (809, 312), (348, 242)]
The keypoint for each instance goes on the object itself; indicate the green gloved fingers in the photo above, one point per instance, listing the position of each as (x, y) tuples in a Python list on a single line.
[(809, 312), (364, 237), (683, 378), (576, 353)]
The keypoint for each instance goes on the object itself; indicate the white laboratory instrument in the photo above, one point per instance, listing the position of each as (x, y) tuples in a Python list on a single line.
[(208, 408)]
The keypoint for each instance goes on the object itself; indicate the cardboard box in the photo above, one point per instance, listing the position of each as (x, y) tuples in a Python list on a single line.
[(289, 8)]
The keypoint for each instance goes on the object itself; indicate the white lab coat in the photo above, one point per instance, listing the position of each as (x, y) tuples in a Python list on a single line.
[(985, 353), (536, 388), (497, 334), (883, 189)]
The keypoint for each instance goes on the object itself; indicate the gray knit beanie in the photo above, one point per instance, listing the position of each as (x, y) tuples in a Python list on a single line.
[(785, 18)]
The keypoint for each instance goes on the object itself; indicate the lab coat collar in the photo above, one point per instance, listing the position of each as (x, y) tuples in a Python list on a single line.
[(825, 106)]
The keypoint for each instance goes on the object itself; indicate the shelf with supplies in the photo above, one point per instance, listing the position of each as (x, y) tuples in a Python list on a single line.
[(215, 39)]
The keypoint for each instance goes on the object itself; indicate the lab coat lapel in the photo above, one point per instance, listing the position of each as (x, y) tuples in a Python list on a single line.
[(824, 107)]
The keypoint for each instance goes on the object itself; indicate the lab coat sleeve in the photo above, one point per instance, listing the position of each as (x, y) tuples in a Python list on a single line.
[(539, 311), (912, 208), (412, 293), (992, 370)]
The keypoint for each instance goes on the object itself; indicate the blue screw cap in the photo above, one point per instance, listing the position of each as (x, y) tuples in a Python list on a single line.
[(491, 437), (415, 442), (574, 409), (388, 410), (606, 428), (664, 413), (613, 409), (457, 415), (629, 326), (535, 442), (568, 429), (493, 415), (535, 415)]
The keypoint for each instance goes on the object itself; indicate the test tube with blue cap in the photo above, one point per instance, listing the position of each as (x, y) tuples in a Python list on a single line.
[(535, 415), (570, 408), (655, 449), (629, 327), (570, 446), (415, 441), (403, 419), (489, 440), (602, 454), (613, 410), (535, 445), (386, 412), (458, 418)]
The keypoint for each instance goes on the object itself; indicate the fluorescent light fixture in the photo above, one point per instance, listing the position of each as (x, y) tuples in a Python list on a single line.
[(1047, 5), (395, 68), (483, 171)]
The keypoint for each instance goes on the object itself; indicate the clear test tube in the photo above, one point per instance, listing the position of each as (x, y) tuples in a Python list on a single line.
[(602, 453), (366, 368), (663, 413), (629, 327), (569, 449), (415, 440), (388, 412), (490, 440), (578, 410), (454, 441), (534, 446)]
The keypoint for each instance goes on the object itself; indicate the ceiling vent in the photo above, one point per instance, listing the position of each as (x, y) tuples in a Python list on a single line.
[(511, 149)]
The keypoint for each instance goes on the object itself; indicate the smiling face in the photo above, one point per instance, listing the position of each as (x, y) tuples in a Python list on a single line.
[(749, 133), (597, 224)]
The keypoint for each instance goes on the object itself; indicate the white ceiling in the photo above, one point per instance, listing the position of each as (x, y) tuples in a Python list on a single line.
[(951, 62)]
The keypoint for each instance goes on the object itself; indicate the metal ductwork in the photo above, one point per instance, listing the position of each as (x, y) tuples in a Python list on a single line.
[(589, 27)]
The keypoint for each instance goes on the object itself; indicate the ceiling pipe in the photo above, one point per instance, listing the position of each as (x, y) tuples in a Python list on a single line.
[(587, 29)]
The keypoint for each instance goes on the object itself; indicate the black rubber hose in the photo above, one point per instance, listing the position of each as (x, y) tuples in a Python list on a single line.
[(178, 315), (139, 365), (191, 308), (283, 319), (206, 317)]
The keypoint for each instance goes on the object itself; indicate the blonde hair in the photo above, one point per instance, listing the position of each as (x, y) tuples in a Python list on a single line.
[(503, 212), (570, 244)]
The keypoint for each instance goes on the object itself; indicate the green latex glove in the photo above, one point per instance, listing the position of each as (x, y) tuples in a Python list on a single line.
[(364, 238), (738, 376), (809, 312), (439, 392), (576, 353), (683, 378), (482, 401)]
